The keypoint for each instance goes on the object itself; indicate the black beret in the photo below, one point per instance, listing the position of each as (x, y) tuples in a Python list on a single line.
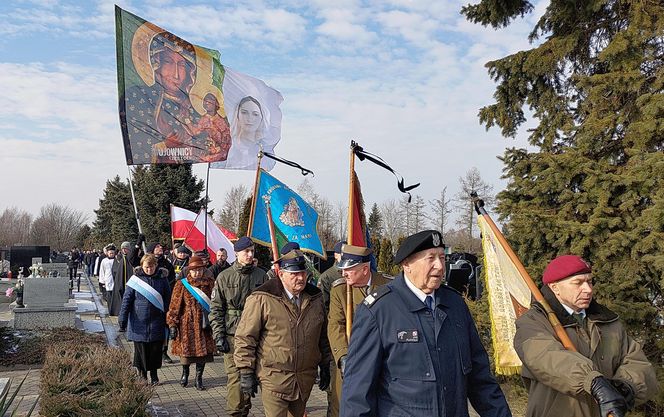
[(293, 261), (242, 243), (183, 249), (289, 247), (420, 241), (353, 255), (149, 248)]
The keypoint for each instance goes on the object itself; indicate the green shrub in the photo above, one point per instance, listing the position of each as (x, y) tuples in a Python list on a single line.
[(91, 381)]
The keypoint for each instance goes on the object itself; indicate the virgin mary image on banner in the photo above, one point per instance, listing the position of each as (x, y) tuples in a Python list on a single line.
[(171, 101), (255, 119)]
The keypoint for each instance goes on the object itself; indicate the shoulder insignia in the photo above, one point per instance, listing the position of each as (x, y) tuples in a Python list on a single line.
[(454, 290), (338, 282), (371, 299)]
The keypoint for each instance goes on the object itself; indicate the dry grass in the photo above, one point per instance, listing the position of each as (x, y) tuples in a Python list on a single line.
[(91, 381), (28, 347)]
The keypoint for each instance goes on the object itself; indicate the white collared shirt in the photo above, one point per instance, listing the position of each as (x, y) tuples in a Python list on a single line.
[(291, 296), (418, 292), (570, 311)]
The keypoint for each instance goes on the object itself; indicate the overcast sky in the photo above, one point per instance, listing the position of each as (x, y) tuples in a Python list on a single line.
[(404, 78)]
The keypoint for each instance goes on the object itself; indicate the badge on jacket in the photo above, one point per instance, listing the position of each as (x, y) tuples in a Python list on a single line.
[(408, 336)]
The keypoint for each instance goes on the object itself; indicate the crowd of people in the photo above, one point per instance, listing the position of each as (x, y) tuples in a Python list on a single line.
[(411, 349)]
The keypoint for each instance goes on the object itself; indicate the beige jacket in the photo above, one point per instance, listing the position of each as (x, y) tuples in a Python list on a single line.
[(282, 347)]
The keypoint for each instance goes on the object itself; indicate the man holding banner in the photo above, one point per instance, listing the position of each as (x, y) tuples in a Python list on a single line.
[(355, 265), (606, 377)]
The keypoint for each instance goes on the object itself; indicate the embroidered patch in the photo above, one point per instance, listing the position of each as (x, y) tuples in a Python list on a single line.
[(214, 292), (408, 336)]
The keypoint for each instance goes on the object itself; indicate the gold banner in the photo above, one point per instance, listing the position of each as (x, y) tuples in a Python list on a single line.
[(509, 297)]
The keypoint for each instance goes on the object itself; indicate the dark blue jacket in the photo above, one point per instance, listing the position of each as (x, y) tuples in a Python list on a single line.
[(393, 370), (146, 322)]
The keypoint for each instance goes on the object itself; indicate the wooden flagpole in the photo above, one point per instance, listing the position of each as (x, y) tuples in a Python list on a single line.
[(250, 226), (553, 319), (351, 205), (273, 236)]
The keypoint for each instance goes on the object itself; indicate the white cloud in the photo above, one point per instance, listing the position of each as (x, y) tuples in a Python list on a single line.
[(405, 78)]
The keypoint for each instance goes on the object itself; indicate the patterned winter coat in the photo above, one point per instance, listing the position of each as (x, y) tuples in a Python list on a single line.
[(186, 313)]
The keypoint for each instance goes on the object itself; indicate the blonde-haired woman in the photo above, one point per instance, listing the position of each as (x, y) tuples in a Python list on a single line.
[(143, 315)]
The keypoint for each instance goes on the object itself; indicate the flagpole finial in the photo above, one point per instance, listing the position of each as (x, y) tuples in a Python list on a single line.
[(478, 203)]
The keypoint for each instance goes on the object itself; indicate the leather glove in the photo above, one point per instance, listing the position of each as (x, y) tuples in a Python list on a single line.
[(609, 399), (173, 333), (626, 390), (141, 239), (222, 345), (342, 365), (248, 383), (324, 374)]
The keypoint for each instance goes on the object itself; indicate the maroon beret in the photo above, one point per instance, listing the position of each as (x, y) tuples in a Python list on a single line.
[(563, 267)]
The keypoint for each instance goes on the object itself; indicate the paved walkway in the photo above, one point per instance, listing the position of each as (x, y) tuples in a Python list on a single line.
[(169, 399)]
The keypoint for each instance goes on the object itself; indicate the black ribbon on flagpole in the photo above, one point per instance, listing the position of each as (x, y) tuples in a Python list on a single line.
[(289, 163), (362, 155)]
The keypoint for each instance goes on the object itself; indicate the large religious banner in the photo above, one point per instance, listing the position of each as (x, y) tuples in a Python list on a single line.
[(179, 104), (293, 218)]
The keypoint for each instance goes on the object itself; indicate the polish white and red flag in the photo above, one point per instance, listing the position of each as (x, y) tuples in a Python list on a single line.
[(182, 220), (216, 239)]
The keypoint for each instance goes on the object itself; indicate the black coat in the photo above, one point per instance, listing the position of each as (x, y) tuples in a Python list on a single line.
[(391, 368)]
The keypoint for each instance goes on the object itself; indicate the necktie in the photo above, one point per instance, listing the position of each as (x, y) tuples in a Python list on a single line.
[(296, 302), (580, 319), (429, 302)]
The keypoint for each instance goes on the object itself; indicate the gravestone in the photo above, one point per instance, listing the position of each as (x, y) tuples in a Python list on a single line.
[(47, 304), (60, 267)]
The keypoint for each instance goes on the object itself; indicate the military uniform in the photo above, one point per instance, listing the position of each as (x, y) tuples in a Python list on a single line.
[(336, 327), (281, 341), (414, 349), (231, 289), (325, 281)]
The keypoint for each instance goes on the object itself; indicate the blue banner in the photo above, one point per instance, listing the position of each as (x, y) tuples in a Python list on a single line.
[(292, 216)]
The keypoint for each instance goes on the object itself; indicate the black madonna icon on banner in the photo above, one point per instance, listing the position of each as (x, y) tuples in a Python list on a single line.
[(171, 117)]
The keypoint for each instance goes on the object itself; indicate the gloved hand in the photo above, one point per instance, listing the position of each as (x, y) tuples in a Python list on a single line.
[(324, 376), (342, 365), (141, 239), (625, 390), (222, 345), (248, 383), (173, 333), (609, 399)]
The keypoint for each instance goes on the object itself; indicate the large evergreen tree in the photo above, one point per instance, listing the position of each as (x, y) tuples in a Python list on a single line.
[(375, 223), (594, 183), (115, 220), (156, 188)]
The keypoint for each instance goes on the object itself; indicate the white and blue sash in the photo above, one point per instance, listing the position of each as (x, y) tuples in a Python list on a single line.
[(198, 294), (146, 291)]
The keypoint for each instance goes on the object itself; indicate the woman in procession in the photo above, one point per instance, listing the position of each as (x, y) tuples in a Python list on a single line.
[(188, 320), (143, 315)]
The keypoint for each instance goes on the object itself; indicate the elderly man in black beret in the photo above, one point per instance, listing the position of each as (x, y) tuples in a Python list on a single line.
[(414, 349), (232, 287)]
